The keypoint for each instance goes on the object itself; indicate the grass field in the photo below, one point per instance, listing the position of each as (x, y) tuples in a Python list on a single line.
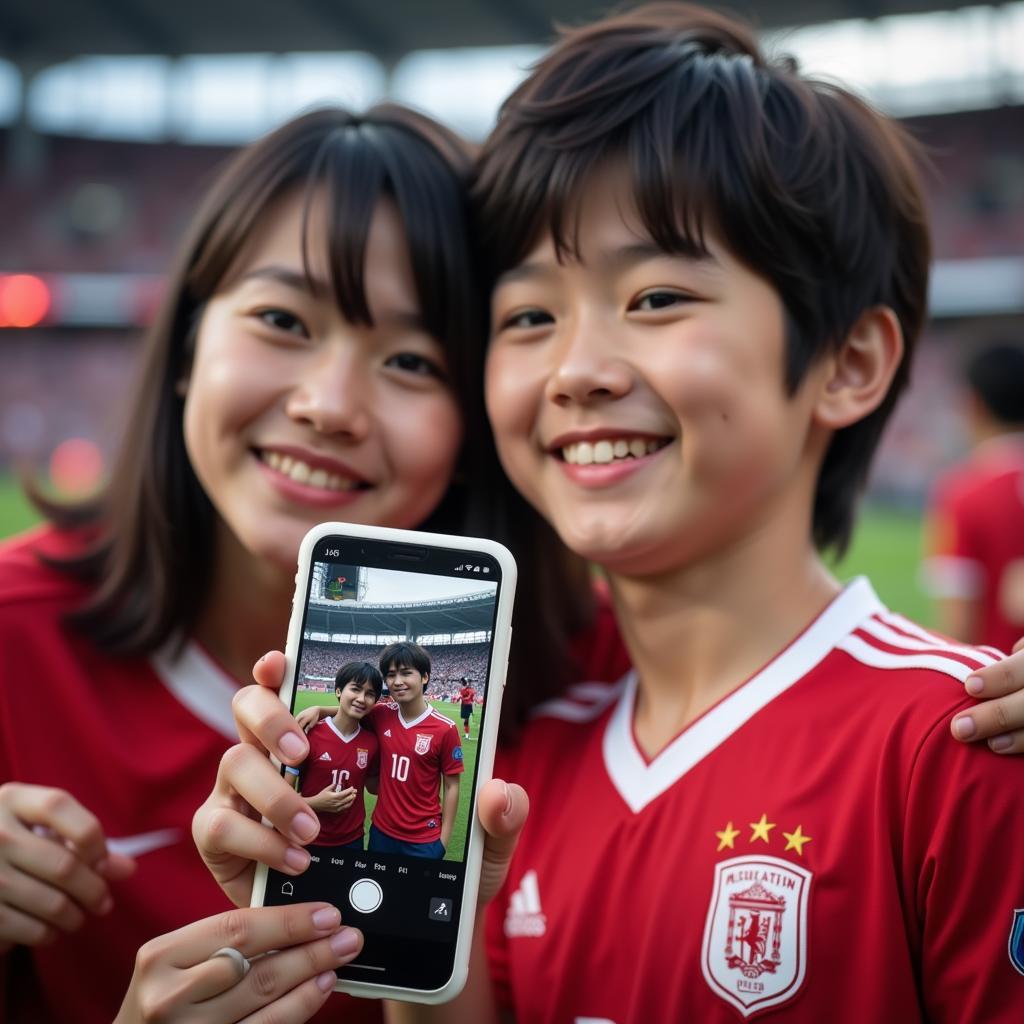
[(457, 844), (887, 549)]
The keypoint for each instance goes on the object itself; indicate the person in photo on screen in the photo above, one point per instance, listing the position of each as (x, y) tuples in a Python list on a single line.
[(343, 761)]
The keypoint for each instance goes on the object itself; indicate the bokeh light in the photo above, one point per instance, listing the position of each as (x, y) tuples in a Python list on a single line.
[(76, 467), (24, 300)]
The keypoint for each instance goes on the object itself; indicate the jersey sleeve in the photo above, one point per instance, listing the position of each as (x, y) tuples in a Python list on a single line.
[(954, 561), (963, 873), (451, 752)]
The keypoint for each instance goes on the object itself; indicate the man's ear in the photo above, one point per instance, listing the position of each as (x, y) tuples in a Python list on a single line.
[(860, 374)]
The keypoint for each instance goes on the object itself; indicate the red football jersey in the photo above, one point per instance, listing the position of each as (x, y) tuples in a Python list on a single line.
[(815, 844), (339, 762), (413, 757), (466, 694), (138, 742), (976, 538)]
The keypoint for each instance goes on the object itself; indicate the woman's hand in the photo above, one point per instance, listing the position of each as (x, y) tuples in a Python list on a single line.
[(54, 865), (999, 718), (227, 827), (178, 978)]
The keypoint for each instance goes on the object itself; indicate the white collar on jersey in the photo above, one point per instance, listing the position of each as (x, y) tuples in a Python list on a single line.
[(639, 783), (416, 721), (341, 736), (198, 684)]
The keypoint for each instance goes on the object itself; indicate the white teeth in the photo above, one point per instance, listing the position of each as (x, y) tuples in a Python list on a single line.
[(585, 453), (303, 473)]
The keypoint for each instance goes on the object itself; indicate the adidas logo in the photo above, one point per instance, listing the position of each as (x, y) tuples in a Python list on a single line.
[(524, 918), (325, 756), (387, 732)]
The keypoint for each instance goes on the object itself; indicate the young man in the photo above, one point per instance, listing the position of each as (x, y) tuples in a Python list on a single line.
[(343, 759), (710, 273), (975, 566), (420, 757), (467, 696)]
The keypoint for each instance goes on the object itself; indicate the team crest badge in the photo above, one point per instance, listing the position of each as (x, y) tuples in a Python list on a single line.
[(1016, 943), (422, 742), (362, 757), (755, 938)]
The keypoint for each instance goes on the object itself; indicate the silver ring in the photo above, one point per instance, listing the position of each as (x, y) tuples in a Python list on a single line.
[(241, 964)]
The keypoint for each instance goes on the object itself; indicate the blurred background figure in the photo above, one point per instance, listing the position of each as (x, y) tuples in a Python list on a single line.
[(975, 563)]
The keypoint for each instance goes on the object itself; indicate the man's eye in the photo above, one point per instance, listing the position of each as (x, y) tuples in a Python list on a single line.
[(413, 362), (652, 302), (526, 319), (282, 320)]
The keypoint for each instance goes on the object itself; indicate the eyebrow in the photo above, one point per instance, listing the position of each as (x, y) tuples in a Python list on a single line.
[(318, 288), (287, 276), (615, 260)]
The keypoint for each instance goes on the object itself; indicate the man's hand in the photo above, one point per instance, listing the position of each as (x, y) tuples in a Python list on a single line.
[(335, 801), (999, 718)]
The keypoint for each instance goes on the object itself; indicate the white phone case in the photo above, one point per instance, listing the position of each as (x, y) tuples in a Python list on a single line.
[(502, 635)]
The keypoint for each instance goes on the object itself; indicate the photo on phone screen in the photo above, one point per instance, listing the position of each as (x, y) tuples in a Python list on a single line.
[(396, 662)]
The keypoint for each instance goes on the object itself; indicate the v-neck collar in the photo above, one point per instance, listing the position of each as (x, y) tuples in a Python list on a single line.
[(199, 684), (639, 782)]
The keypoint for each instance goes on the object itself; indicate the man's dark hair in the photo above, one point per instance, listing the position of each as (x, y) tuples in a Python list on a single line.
[(996, 376), (803, 182), (405, 654), (360, 672)]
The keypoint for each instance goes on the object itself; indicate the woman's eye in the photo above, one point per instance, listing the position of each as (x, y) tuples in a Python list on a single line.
[(653, 302), (526, 319), (282, 320), (413, 362)]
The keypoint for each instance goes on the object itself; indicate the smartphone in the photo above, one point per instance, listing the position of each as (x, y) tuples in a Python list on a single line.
[(401, 640)]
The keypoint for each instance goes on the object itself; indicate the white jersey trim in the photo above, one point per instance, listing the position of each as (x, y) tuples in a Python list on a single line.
[(591, 701), (922, 641), (874, 657), (639, 783), (199, 685), (341, 736)]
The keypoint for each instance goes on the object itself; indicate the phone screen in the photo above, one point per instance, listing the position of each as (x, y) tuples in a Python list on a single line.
[(391, 774)]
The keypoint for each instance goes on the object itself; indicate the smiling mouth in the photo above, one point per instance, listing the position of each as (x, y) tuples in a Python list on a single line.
[(310, 476), (609, 450)]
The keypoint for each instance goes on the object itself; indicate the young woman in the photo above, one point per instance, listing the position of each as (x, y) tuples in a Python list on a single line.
[(317, 356), (627, 312)]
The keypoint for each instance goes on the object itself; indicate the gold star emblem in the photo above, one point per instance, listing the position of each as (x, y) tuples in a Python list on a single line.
[(727, 837), (761, 828), (795, 841)]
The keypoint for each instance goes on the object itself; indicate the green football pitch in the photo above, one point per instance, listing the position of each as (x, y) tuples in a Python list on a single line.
[(457, 844), (887, 548)]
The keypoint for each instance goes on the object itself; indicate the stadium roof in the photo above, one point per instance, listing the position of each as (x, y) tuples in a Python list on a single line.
[(453, 615), (37, 33)]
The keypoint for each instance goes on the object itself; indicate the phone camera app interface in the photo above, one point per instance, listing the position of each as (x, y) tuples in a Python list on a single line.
[(391, 687)]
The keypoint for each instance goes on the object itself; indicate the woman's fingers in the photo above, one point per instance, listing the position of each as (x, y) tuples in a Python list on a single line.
[(21, 929), (181, 977), (59, 812), (273, 977), (220, 831), (264, 722), (259, 784), (59, 867), (502, 808)]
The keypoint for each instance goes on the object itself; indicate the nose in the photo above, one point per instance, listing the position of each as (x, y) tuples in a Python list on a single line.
[(333, 392), (588, 368)]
